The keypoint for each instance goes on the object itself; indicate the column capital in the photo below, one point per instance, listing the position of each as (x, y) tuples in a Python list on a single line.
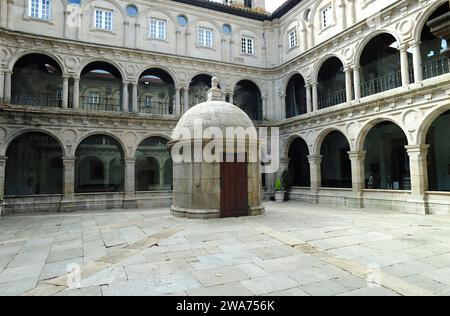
[(421, 149), (403, 47), (348, 69), (65, 77), (356, 67), (68, 159), (76, 78), (125, 82), (3, 160), (129, 161), (415, 44), (307, 85), (315, 159), (314, 84), (357, 154)]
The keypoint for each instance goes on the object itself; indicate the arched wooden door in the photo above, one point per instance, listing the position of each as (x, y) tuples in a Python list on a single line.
[(234, 188)]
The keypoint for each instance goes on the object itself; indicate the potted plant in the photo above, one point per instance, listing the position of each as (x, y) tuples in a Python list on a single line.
[(279, 193), (286, 181)]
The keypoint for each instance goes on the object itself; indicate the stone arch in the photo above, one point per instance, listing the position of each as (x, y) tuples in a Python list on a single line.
[(193, 24), (13, 136), (423, 17), (322, 135), (221, 82), (84, 5), (322, 60), (255, 32), (363, 43), (367, 126), (169, 71), (17, 56), (428, 121), (288, 78), (105, 133), (145, 13), (290, 140), (113, 63), (254, 81)]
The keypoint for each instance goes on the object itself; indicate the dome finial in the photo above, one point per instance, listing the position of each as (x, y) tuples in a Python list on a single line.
[(215, 93)]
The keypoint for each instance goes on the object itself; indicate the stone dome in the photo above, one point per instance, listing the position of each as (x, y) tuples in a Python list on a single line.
[(213, 114)]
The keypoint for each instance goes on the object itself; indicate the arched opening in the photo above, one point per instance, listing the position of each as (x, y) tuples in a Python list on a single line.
[(99, 165), (336, 167), (386, 164), (198, 89), (34, 165), (439, 153), (433, 63), (299, 164), (331, 83), (248, 97), (36, 81), (153, 165), (156, 92), (101, 87), (380, 65), (295, 96)]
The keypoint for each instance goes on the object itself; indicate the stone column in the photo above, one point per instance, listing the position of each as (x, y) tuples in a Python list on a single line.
[(76, 93), (358, 176), (186, 98), (9, 13), (125, 97), (419, 175), (7, 95), (315, 97), (283, 106), (177, 111), (65, 93), (69, 178), (308, 98), (316, 177), (2, 86), (404, 65), (348, 84), (343, 15), (130, 167), (231, 95), (352, 13), (2, 175), (417, 61), (134, 98), (356, 82)]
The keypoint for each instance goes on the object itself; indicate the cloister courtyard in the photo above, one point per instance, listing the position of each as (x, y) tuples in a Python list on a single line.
[(293, 249)]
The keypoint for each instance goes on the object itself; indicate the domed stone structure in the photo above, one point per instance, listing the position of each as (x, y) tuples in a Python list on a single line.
[(214, 174)]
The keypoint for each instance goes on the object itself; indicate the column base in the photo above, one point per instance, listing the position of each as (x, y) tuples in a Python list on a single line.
[(417, 206), (69, 205), (129, 203)]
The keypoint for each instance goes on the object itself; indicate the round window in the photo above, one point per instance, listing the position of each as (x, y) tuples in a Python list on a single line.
[(227, 29), (132, 10), (182, 20)]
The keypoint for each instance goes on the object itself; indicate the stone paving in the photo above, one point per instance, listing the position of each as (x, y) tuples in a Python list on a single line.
[(294, 249)]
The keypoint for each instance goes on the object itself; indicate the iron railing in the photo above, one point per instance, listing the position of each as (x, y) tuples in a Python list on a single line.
[(36, 99), (381, 84), (101, 104), (332, 98), (435, 67), (158, 108)]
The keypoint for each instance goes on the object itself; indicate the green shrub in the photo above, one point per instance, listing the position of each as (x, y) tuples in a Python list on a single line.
[(278, 184)]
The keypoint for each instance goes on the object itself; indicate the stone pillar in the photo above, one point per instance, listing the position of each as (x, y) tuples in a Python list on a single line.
[(343, 15), (231, 96), (308, 98), (130, 167), (404, 65), (2, 175), (358, 176), (7, 95), (65, 93), (419, 176), (417, 61), (348, 84), (177, 111), (134, 98), (352, 12), (316, 177), (315, 97), (283, 106), (69, 178), (125, 97), (2, 86), (356, 82), (186, 98), (76, 93)]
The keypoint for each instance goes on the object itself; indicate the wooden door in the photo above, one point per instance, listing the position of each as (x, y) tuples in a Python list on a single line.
[(234, 189)]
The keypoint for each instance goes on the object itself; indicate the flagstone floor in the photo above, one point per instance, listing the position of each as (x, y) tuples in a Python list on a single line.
[(294, 249)]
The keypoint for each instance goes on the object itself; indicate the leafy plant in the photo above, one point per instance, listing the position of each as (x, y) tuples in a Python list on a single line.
[(2, 199), (278, 184), (286, 179)]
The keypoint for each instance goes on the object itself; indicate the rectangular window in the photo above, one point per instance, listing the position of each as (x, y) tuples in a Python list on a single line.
[(293, 38), (40, 9), (205, 37), (103, 20), (59, 93), (158, 29), (94, 97), (148, 100), (247, 45), (326, 16)]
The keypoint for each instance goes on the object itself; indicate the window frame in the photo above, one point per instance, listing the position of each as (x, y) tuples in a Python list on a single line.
[(103, 25), (293, 40), (202, 41), (36, 9), (326, 16), (160, 25), (245, 46)]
